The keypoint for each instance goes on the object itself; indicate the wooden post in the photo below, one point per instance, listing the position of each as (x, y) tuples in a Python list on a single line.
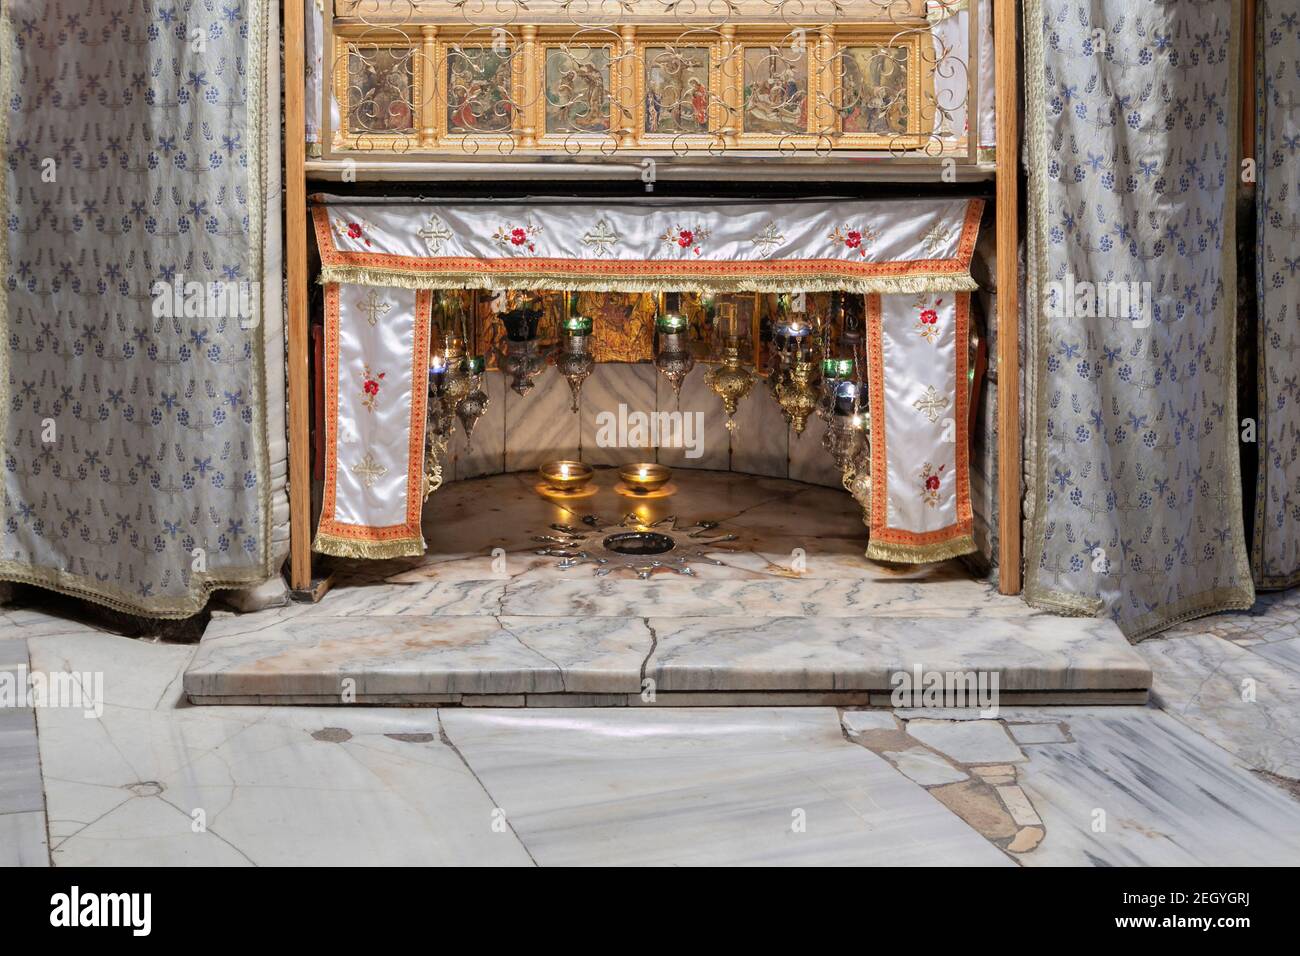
[(1248, 53), (1010, 452), (295, 259)]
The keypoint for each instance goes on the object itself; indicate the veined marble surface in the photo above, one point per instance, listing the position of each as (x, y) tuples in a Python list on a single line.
[(156, 781), (1241, 699), (705, 787), (793, 607), (1138, 788)]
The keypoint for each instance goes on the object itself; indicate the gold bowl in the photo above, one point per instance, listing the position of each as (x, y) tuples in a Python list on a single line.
[(644, 477), (566, 476)]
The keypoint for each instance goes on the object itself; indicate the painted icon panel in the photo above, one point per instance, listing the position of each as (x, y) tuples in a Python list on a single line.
[(479, 96), (381, 95), (677, 90), (874, 90), (776, 90), (577, 89)]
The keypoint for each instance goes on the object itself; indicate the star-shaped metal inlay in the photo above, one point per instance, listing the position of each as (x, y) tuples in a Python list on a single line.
[(434, 233), (634, 545), (601, 239)]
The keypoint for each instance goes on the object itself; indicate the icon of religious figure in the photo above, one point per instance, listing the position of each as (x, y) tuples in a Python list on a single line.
[(380, 90), (874, 91), (677, 90), (776, 90), (478, 91), (577, 90)]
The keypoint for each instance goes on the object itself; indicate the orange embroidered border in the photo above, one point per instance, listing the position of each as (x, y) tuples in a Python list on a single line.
[(649, 268), (880, 531), (410, 528)]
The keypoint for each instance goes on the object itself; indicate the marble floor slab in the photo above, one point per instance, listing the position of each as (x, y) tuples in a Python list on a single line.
[(22, 839), (1030, 654), (787, 605), (1242, 700), (705, 787), (156, 781), (1136, 787)]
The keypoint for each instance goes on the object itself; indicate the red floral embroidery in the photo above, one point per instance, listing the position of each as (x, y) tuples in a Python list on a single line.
[(931, 482), (370, 387), (858, 239), (686, 238), (927, 324), (353, 230), (521, 238)]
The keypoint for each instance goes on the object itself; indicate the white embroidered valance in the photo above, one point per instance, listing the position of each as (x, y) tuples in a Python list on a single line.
[(885, 246)]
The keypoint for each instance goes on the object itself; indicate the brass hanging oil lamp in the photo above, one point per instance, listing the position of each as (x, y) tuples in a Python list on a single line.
[(673, 356), (730, 381), (794, 388), (573, 359)]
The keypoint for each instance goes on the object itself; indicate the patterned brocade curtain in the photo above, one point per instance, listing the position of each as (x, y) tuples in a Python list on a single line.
[(1277, 254), (143, 464), (1134, 490)]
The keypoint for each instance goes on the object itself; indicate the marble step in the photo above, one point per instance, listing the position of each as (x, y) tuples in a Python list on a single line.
[(310, 657)]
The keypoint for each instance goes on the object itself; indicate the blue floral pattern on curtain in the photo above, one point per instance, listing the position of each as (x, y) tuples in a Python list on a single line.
[(1134, 489), (1276, 552), (135, 464)]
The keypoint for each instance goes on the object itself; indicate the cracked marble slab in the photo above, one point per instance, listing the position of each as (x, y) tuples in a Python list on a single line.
[(1240, 699), (270, 786), (708, 786), (1161, 794)]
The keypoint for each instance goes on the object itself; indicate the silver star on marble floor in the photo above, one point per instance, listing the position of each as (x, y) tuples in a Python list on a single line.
[(634, 545)]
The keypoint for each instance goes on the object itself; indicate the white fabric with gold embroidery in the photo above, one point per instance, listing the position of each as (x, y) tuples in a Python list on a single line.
[(376, 347), (849, 245), (919, 406)]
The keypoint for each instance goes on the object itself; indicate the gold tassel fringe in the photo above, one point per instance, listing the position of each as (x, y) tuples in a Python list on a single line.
[(825, 282), (920, 553), (376, 550)]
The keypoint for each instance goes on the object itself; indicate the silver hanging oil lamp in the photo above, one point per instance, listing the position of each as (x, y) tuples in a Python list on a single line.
[(673, 356), (573, 359)]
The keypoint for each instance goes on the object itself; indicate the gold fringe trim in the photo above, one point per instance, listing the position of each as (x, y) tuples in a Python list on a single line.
[(825, 282), (376, 550), (920, 553)]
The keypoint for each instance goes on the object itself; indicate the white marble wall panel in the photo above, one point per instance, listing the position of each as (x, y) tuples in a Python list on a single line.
[(760, 445), (540, 427), (809, 461), (610, 385), (714, 439)]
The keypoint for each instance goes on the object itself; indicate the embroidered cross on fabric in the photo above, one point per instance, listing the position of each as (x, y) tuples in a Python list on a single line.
[(931, 404), (369, 470), (600, 239), (434, 233), (374, 306)]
